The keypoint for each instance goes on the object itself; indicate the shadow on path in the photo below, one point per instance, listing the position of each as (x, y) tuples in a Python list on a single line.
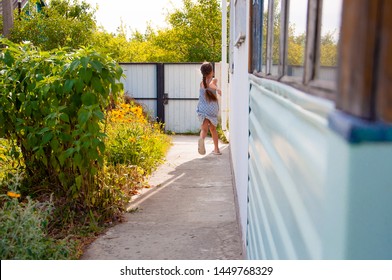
[(189, 214)]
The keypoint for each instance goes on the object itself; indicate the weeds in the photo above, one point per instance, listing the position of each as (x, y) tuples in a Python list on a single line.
[(24, 228)]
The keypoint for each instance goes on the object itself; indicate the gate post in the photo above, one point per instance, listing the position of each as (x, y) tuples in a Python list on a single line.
[(160, 92)]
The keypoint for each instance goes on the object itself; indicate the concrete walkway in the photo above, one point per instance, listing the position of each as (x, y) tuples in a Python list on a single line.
[(189, 214)]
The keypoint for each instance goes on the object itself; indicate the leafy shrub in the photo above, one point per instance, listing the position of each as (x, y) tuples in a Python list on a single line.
[(133, 140), (53, 106), (10, 160)]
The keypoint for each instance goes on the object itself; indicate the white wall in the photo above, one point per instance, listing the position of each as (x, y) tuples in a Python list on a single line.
[(238, 125)]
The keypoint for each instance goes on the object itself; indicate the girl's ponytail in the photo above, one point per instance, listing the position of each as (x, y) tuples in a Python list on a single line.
[(206, 69)]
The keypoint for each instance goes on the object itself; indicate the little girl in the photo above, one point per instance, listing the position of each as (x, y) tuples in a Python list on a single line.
[(208, 108)]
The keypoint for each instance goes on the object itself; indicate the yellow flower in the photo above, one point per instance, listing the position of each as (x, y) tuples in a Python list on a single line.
[(13, 194)]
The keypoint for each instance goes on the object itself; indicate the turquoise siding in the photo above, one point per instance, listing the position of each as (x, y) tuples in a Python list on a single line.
[(311, 194)]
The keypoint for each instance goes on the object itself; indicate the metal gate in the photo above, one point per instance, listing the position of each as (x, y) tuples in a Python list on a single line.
[(170, 91)]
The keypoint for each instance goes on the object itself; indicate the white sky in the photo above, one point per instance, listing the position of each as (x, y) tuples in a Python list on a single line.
[(135, 14)]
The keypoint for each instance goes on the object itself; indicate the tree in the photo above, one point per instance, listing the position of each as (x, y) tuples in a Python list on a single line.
[(61, 24), (7, 18), (329, 50), (193, 35), (196, 31)]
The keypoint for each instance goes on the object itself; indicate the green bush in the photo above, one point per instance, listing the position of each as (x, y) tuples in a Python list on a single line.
[(52, 105), (133, 140)]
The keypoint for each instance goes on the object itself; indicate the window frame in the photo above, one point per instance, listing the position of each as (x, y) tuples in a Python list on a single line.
[(308, 82), (366, 31)]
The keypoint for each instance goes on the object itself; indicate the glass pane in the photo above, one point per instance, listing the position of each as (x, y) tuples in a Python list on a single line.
[(330, 29), (276, 38), (264, 41), (296, 38)]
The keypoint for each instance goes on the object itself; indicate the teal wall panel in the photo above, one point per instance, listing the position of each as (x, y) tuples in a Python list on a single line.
[(311, 193)]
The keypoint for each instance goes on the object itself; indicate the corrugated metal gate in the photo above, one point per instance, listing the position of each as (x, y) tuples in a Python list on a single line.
[(169, 90)]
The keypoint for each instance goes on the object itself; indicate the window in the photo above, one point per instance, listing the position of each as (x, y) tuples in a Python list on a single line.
[(328, 41), (264, 53), (296, 38), (298, 42)]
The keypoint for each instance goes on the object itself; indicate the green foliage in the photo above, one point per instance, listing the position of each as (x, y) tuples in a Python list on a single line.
[(117, 46), (221, 134), (193, 35), (132, 140), (127, 179), (196, 30), (23, 232), (61, 24), (1, 24), (52, 105), (329, 50), (10, 158)]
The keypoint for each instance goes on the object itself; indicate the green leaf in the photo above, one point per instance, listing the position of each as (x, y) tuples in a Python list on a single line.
[(65, 137), (97, 66), (79, 85), (86, 74), (78, 160), (99, 114), (89, 99), (64, 117), (66, 154), (78, 181), (84, 116), (84, 61), (101, 147), (97, 85), (94, 171), (47, 137), (93, 154), (8, 59), (45, 129), (74, 65), (54, 144), (68, 85)]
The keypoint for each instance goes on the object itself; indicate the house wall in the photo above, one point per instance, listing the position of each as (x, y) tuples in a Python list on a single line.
[(305, 189), (287, 170), (238, 121)]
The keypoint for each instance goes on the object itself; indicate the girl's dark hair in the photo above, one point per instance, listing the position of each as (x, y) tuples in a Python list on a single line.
[(206, 69)]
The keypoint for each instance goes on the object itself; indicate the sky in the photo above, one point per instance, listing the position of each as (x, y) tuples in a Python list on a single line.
[(135, 14)]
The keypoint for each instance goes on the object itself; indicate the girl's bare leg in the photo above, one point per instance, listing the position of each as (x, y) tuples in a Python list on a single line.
[(204, 128), (203, 134), (214, 135)]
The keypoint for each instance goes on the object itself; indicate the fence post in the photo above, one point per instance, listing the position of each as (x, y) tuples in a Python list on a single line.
[(160, 92)]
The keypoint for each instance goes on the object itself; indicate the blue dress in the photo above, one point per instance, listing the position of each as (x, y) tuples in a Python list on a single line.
[(207, 110)]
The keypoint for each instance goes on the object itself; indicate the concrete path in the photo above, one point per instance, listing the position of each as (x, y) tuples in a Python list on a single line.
[(189, 214)]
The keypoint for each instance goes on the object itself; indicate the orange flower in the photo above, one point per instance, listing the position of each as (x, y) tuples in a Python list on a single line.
[(13, 194)]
